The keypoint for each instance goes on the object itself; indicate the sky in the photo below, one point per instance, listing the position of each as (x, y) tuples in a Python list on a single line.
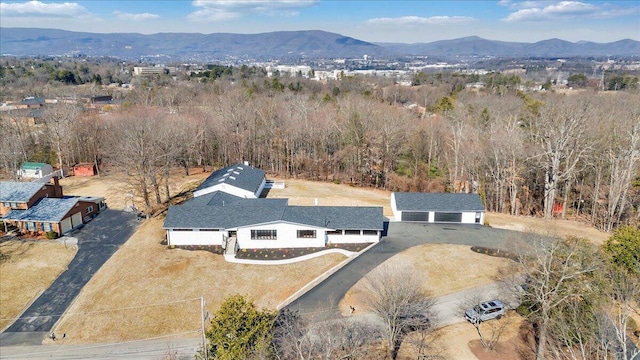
[(374, 21)]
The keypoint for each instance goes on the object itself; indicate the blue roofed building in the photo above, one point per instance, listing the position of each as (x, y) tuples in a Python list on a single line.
[(36, 207)]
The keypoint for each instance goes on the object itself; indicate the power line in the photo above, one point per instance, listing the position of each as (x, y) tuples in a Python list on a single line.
[(88, 347), (101, 311)]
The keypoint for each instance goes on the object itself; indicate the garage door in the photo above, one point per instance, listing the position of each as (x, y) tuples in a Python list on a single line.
[(415, 216), (76, 220), (448, 217), (65, 225)]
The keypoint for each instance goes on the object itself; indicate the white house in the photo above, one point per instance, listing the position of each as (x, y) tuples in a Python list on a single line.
[(35, 170), (221, 218), (437, 208), (241, 180)]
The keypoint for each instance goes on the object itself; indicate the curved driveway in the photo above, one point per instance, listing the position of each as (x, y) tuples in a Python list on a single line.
[(97, 241), (325, 296)]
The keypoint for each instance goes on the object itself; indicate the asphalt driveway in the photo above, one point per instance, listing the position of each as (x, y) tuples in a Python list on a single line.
[(325, 296), (97, 241)]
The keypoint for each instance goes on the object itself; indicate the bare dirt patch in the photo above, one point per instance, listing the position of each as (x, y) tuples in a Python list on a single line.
[(461, 341), (445, 269), (148, 290), (553, 227), (28, 268)]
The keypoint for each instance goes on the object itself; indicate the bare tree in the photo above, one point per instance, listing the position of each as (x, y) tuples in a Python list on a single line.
[(489, 332), (624, 295), (60, 120), (560, 133), (394, 293), (302, 337), (557, 273)]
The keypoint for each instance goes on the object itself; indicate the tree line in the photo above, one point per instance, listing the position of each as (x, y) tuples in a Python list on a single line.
[(527, 153)]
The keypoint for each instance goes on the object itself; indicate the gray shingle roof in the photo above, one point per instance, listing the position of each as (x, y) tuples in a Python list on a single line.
[(242, 176), (45, 210), (337, 217), (444, 202), (207, 212), (11, 191)]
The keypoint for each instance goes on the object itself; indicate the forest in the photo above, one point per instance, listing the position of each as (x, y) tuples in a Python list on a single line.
[(550, 153)]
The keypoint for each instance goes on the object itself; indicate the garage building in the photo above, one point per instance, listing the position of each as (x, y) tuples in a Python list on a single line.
[(437, 208)]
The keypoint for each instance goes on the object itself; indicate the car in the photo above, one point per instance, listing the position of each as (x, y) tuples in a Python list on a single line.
[(488, 310)]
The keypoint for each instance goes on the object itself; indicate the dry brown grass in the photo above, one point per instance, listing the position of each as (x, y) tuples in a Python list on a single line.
[(444, 268), (554, 227), (147, 290), (305, 192), (114, 187), (29, 270), (453, 342)]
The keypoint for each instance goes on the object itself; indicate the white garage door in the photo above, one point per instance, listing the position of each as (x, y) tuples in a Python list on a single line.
[(76, 220), (65, 225)]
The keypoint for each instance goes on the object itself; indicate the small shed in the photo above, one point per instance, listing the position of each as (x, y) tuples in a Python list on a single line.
[(438, 208), (85, 169), (35, 170)]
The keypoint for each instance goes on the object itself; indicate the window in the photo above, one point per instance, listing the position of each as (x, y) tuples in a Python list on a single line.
[(369, 232), (208, 229), (182, 229), (48, 227), (264, 234), (334, 232), (308, 234), (352, 232), (89, 209)]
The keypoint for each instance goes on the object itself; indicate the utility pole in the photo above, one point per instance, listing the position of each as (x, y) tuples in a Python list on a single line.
[(204, 339)]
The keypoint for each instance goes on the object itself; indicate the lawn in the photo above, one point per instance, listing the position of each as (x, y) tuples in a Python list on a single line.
[(147, 290), (27, 268)]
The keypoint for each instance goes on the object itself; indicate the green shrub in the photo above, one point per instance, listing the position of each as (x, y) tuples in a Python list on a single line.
[(51, 235)]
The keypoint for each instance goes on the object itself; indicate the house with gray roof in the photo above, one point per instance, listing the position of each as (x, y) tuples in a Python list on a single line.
[(241, 180), (437, 207), (221, 218)]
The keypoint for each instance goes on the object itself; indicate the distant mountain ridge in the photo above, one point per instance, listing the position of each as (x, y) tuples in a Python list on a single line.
[(476, 46), (281, 45)]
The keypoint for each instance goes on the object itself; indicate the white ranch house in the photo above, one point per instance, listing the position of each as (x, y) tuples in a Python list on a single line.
[(437, 208), (226, 211)]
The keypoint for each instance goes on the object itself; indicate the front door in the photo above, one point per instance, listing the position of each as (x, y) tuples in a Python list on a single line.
[(233, 233)]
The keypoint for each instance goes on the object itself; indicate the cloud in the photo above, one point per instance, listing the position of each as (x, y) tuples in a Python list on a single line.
[(135, 17), (416, 20), (40, 9), (221, 10), (563, 10)]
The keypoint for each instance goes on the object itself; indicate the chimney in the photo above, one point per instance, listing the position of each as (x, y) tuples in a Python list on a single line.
[(57, 189)]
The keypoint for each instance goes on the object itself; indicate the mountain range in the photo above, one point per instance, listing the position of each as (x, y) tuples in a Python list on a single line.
[(311, 44)]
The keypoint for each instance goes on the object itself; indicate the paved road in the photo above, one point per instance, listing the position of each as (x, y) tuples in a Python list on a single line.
[(177, 349), (324, 297), (97, 241)]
